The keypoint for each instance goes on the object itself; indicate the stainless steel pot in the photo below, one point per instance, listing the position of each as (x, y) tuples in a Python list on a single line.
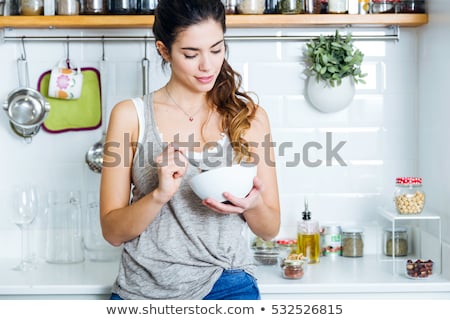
[(26, 108)]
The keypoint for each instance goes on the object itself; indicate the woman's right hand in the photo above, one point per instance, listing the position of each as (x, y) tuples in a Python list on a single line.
[(172, 166)]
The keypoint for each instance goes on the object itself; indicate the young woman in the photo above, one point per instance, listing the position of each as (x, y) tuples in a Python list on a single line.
[(176, 246)]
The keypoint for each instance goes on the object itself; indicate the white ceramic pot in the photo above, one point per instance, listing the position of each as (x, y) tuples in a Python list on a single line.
[(327, 98)]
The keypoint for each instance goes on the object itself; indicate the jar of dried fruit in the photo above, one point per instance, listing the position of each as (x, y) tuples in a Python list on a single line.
[(409, 197)]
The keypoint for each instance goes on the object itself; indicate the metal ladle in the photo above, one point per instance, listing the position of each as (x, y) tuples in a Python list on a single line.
[(94, 156)]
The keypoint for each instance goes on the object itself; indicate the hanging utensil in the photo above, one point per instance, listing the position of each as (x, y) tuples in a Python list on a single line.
[(27, 108), (94, 156), (145, 69)]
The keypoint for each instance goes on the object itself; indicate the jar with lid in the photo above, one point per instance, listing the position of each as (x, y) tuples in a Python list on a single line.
[(92, 6), (352, 242), (231, 6), (331, 242), (337, 6), (68, 7), (292, 269), (252, 6), (395, 242), (291, 6), (409, 197), (122, 6), (31, 7)]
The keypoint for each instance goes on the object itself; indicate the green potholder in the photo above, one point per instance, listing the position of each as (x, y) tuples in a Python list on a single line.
[(84, 113)]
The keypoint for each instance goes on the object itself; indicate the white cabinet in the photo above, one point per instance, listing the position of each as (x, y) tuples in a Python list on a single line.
[(424, 238)]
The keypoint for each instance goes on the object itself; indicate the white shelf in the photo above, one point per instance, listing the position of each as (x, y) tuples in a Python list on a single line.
[(394, 217)]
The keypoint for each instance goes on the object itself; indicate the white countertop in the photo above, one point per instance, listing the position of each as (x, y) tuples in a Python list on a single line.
[(341, 275)]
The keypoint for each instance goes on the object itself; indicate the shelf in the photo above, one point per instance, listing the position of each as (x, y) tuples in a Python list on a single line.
[(233, 21), (392, 216)]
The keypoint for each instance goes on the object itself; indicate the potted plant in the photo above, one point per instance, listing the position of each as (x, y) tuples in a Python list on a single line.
[(334, 65)]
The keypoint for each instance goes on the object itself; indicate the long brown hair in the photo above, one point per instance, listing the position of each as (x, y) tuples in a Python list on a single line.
[(235, 106)]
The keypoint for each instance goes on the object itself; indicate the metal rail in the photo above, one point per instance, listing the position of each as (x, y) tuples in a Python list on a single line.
[(395, 36)]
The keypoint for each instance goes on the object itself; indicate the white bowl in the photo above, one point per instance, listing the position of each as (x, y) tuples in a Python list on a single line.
[(237, 180)]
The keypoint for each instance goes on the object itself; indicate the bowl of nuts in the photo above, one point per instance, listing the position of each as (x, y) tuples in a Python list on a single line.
[(293, 266), (419, 269)]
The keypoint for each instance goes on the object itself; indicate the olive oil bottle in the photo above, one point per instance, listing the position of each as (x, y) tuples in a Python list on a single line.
[(308, 236)]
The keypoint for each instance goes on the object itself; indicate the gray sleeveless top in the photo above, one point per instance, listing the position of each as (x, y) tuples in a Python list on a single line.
[(182, 253)]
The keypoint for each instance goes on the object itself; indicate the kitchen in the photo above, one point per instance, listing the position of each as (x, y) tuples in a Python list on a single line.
[(391, 114)]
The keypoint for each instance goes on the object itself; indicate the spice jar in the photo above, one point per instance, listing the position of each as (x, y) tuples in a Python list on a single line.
[(337, 6), (68, 7), (252, 6), (352, 242), (291, 6), (31, 7), (395, 242), (292, 269), (409, 197)]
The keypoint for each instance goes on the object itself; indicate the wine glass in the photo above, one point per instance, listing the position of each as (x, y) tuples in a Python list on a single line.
[(24, 211)]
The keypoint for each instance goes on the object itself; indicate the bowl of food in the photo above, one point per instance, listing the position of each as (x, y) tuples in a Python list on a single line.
[(236, 179), (265, 252), (419, 269)]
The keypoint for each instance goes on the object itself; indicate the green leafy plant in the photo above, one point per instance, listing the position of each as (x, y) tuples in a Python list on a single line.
[(332, 58)]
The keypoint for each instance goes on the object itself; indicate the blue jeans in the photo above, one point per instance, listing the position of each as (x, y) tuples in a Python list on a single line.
[(233, 284)]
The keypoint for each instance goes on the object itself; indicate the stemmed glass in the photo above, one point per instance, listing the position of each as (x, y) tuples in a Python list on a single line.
[(24, 211)]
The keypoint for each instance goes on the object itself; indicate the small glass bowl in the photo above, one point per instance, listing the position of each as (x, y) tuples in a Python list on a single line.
[(419, 269)]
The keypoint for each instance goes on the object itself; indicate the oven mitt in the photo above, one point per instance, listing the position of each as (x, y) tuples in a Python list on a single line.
[(74, 115)]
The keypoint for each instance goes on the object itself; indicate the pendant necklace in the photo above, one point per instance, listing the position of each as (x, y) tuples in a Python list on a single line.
[(190, 116)]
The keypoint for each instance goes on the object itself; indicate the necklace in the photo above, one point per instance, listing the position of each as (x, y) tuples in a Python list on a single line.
[(190, 116)]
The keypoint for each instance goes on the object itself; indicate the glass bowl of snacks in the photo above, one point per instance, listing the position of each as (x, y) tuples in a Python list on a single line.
[(265, 252), (419, 269), (293, 266)]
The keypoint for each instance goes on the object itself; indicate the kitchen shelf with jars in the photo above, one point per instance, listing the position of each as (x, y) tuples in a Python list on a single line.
[(233, 20), (412, 239)]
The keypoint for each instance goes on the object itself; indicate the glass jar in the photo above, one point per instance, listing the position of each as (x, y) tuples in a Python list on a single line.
[(395, 242), (231, 6), (337, 6), (409, 197), (31, 7), (352, 242), (271, 7), (252, 6), (92, 6), (122, 6), (68, 7), (291, 6), (331, 241), (292, 269), (287, 247)]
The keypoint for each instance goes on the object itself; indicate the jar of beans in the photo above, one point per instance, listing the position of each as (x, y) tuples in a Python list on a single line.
[(409, 197)]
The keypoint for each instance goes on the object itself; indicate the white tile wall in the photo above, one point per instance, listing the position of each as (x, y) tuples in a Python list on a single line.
[(379, 128)]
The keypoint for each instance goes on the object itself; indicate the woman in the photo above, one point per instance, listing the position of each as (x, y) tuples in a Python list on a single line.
[(176, 246)]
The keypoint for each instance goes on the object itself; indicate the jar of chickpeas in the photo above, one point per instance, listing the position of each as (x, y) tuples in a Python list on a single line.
[(409, 197)]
